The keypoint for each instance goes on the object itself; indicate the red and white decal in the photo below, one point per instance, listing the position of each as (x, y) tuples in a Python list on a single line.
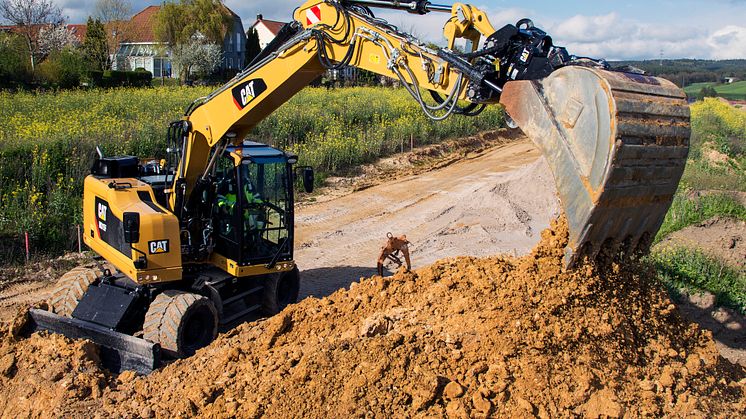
[(313, 15)]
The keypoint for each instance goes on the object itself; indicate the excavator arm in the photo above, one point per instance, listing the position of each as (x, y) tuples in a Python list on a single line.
[(616, 142)]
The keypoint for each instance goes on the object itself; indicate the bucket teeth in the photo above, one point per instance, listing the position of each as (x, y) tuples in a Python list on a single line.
[(616, 143)]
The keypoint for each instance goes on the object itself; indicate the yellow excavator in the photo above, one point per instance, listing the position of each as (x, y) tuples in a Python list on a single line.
[(204, 239)]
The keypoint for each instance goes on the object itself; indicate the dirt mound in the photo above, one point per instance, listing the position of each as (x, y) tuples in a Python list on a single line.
[(47, 375), (464, 337)]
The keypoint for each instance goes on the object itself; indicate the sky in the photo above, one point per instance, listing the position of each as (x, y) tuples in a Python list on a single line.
[(633, 29)]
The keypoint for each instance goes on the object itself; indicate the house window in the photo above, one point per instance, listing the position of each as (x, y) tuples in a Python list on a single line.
[(238, 41), (230, 62), (157, 63)]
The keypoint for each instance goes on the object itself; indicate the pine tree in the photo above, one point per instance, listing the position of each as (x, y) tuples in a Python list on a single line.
[(252, 45), (95, 48)]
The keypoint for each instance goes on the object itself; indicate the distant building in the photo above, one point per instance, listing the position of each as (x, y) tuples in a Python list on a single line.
[(139, 47), (234, 45), (266, 29), (729, 80)]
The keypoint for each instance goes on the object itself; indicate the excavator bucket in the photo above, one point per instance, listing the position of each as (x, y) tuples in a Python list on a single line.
[(616, 143)]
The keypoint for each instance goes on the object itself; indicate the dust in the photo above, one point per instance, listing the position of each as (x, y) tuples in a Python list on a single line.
[(464, 337)]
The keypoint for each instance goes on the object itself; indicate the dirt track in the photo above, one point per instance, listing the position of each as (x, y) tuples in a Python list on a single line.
[(495, 202)]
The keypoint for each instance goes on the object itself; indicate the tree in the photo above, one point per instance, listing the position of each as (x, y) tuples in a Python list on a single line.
[(113, 10), (29, 16), (115, 15), (200, 24), (708, 91), (95, 47), (198, 56), (55, 38), (14, 64), (62, 69), (252, 45), (177, 22)]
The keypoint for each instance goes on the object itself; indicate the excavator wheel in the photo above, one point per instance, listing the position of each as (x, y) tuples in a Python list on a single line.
[(181, 322), (71, 286), (280, 291)]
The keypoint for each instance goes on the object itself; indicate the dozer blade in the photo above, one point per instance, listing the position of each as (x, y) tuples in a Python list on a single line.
[(119, 352), (616, 144)]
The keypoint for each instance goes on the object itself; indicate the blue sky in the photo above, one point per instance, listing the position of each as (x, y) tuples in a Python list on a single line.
[(633, 29)]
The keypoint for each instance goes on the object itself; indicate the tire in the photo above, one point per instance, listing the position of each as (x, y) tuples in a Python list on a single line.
[(70, 289), (280, 291), (181, 322)]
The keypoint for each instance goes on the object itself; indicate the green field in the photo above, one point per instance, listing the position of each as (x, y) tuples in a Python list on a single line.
[(733, 91), (47, 143)]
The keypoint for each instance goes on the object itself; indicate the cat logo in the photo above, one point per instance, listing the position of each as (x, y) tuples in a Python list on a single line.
[(158, 246), (102, 211), (247, 91)]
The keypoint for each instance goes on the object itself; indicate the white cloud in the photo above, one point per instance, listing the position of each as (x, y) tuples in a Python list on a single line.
[(728, 42)]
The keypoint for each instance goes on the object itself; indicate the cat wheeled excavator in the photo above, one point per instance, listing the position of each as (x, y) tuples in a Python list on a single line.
[(206, 239)]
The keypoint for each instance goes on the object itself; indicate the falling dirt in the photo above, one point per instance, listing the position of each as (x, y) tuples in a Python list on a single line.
[(500, 337)]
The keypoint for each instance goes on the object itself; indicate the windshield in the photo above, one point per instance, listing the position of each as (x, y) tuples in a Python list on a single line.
[(265, 201)]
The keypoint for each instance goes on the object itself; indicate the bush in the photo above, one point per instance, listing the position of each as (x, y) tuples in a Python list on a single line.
[(108, 79), (15, 68), (63, 69)]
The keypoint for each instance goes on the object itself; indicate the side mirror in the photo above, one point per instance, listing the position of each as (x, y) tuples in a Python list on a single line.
[(131, 224), (308, 179)]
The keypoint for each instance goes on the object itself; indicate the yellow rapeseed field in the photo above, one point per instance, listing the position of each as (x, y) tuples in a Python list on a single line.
[(48, 140)]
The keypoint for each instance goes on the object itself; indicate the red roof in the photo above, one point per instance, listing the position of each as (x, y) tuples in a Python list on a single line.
[(79, 31), (141, 25), (273, 25)]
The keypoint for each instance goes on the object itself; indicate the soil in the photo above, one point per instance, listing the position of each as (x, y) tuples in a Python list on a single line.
[(497, 202), (27, 284), (725, 240), (722, 238), (499, 337)]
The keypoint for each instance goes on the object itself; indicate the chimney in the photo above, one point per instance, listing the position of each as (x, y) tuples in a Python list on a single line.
[(259, 17)]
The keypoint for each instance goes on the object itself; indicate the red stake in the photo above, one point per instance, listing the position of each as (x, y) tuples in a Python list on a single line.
[(28, 250)]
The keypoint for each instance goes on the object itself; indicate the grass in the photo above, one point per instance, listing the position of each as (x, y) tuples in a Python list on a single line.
[(733, 91), (692, 270)]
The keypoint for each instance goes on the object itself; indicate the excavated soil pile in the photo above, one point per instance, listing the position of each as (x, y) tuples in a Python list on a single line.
[(47, 375), (464, 337)]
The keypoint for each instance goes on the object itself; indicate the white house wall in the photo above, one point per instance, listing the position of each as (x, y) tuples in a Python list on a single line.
[(265, 35)]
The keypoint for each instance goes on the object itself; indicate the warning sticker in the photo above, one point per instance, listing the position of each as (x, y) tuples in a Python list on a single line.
[(313, 15)]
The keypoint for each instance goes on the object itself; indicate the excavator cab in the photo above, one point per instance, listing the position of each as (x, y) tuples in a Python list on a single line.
[(254, 201)]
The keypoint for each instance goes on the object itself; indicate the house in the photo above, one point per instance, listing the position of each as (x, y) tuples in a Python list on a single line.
[(139, 47), (266, 29), (730, 80), (234, 45)]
